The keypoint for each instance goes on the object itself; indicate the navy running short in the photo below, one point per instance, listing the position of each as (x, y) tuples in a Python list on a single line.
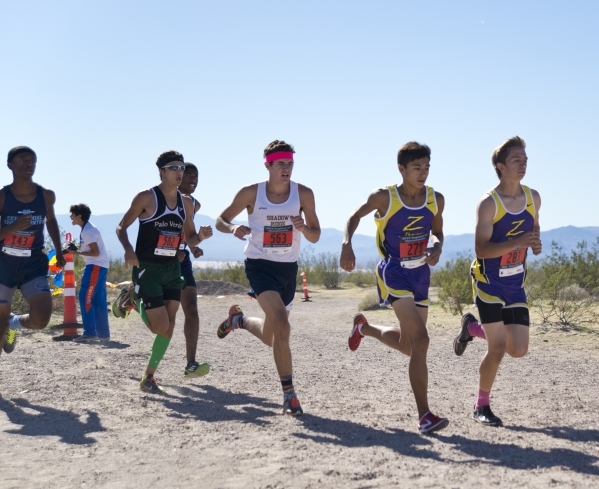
[(271, 275), (187, 271)]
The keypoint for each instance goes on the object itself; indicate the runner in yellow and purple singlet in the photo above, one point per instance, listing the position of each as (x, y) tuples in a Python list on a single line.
[(407, 216), (507, 225)]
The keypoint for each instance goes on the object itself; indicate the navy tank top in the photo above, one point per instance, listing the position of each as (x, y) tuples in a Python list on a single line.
[(23, 244)]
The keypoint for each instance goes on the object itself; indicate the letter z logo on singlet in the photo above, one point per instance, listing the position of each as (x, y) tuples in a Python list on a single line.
[(512, 232), (414, 219)]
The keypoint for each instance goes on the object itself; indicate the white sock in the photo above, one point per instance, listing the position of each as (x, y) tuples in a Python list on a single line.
[(14, 322)]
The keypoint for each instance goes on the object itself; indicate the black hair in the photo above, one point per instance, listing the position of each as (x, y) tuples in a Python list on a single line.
[(412, 151), (81, 210), (168, 157), (190, 166), (17, 150)]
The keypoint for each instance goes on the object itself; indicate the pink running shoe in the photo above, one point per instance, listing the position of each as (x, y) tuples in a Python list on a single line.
[(355, 337), (429, 423)]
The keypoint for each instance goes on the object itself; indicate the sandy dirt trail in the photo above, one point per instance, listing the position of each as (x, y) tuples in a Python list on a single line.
[(71, 415)]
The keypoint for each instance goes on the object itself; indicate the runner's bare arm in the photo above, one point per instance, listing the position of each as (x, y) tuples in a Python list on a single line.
[(52, 226), (434, 252), (245, 199), (378, 200), (138, 207), (538, 248), (205, 231), (22, 222), (191, 236), (484, 230), (307, 225)]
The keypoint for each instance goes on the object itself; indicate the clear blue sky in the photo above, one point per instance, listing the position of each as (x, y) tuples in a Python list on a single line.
[(100, 89)]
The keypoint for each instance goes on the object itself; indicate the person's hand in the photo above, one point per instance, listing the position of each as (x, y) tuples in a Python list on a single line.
[(241, 231), (531, 239), (347, 259), (60, 259), (131, 259), (298, 222), (197, 252), (434, 254), (537, 249), (22, 223), (205, 232), (181, 255)]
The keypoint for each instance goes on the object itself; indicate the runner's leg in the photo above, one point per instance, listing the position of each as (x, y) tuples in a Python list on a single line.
[(4, 315), (414, 328), (161, 322), (496, 345), (191, 327), (517, 340), (40, 311), (277, 319)]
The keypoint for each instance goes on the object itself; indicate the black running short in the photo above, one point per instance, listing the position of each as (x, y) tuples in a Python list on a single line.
[(495, 313), (271, 275)]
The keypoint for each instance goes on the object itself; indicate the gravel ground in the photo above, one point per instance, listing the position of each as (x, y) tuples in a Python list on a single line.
[(71, 415)]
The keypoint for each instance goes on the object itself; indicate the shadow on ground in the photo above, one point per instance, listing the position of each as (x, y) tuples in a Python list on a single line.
[(48, 421), (208, 403)]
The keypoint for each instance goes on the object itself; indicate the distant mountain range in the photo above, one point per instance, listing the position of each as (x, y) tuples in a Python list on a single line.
[(225, 248)]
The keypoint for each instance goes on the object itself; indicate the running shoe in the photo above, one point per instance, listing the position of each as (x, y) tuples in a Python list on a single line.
[(485, 416), (429, 423), (195, 369), (227, 325), (11, 340), (148, 384), (461, 340), (355, 337), (85, 339), (291, 406), (124, 303)]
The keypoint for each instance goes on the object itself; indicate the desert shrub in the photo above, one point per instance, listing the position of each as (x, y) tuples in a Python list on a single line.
[(326, 271), (364, 277), (117, 271), (235, 273), (560, 289), (226, 272), (455, 284), (370, 302)]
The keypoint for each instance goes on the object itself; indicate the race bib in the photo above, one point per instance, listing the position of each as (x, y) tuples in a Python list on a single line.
[(277, 239), (168, 242), (183, 243), (412, 252), (512, 263), (19, 243)]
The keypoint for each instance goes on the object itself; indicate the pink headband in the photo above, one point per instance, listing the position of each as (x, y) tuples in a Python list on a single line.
[(279, 155)]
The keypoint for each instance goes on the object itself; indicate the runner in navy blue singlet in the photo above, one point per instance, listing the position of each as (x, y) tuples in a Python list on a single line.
[(25, 207)]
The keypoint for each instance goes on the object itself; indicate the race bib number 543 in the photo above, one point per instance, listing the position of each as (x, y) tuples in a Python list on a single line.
[(19, 244)]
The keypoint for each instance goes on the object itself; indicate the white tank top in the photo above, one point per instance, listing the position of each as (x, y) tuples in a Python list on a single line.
[(273, 236)]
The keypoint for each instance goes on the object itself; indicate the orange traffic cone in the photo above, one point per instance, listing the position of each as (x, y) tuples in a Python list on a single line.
[(69, 318), (305, 287)]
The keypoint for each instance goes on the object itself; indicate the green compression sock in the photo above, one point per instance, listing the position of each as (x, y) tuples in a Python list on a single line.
[(158, 350)]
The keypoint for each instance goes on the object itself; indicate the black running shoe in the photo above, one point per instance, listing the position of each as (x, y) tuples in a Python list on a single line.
[(485, 416), (461, 340)]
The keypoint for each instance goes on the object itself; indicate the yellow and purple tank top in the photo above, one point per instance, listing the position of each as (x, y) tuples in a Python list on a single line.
[(403, 232), (510, 268)]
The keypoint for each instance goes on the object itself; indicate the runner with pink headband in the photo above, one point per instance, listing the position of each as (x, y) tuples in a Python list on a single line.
[(279, 211)]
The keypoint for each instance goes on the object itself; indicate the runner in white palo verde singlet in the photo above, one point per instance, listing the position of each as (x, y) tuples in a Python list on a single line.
[(275, 209)]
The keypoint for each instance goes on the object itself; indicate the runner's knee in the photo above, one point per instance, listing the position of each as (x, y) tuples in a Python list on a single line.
[(518, 351)]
